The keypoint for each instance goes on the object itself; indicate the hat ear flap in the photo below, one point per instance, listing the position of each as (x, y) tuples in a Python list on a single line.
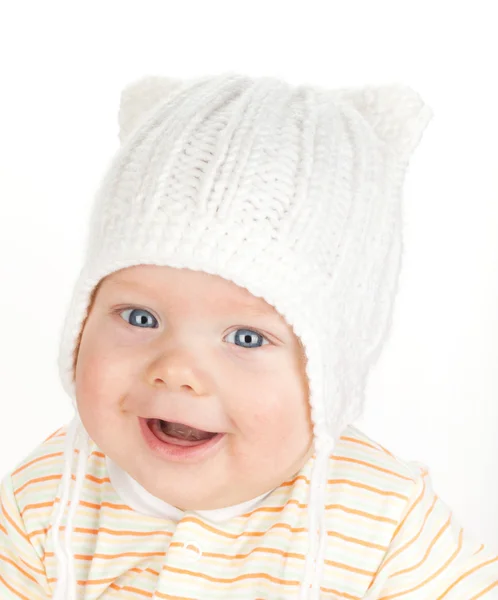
[(139, 97), (396, 112)]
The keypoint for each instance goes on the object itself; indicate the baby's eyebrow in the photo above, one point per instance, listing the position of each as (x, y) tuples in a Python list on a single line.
[(257, 311)]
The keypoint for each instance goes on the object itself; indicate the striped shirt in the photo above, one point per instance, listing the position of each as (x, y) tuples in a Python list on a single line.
[(389, 537)]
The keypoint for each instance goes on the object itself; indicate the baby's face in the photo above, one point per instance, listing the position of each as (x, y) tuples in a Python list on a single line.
[(164, 346)]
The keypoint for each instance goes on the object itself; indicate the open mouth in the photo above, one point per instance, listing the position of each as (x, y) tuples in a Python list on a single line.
[(178, 434)]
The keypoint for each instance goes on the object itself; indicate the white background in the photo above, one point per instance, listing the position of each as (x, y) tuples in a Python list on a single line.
[(433, 395)]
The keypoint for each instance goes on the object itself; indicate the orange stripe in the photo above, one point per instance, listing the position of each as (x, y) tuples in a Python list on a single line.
[(54, 434), (400, 550), (9, 587), (115, 586), (168, 597), (36, 480), (104, 505), (147, 570), (427, 552), (338, 565), (94, 453), (338, 594), (90, 504), (293, 481), (37, 532), (99, 480), (368, 488), (274, 509), (387, 451), (123, 532), (262, 550), (242, 556), (360, 513), (414, 539), (36, 460), (235, 536), (433, 576), (361, 442), (35, 569), (467, 573), (95, 581), (112, 556), (375, 445), (11, 562), (232, 579), (357, 541), (102, 530), (128, 588), (412, 508), (364, 463), (277, 509), (37, 505), (12, 522), (490, 587), (348, 482)]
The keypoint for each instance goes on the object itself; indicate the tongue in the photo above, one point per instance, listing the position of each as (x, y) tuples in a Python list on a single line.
[(179, 433), (184, 432)]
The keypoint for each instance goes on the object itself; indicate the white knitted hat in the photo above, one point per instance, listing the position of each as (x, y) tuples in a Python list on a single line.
[(291, 191)]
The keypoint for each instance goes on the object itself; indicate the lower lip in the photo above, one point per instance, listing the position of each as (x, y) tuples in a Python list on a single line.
[(178, 453)]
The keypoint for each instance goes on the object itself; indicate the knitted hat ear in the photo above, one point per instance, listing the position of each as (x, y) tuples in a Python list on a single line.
[(396, 112), (139, 97)]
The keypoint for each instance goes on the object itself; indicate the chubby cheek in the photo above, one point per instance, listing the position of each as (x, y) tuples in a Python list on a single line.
[(275, 423), (99, 386)]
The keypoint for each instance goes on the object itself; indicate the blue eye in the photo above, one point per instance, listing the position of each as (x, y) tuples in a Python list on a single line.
[(138, 316), (248, 336)]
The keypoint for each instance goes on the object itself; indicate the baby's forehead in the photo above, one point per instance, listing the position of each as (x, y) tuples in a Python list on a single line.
[(183, 285)]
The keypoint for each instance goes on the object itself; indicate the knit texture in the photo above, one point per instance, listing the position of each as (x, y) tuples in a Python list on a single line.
[(293, 192)]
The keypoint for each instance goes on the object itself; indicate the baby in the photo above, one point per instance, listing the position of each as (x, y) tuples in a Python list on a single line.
[(241, 267)]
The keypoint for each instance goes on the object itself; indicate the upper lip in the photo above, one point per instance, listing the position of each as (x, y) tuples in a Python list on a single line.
[(181, 422)]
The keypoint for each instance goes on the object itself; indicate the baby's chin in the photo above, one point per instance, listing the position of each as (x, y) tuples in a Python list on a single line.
[(209, 486), (221, 481)]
